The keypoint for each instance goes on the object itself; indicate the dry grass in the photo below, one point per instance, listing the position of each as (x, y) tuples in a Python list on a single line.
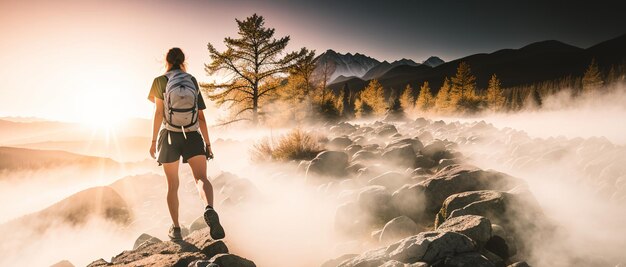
[(295, 145)]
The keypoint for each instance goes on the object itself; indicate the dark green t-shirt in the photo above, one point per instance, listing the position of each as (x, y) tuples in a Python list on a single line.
[(158, 88)]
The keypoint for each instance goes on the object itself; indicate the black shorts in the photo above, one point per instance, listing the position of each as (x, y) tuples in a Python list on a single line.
[(188, 147)]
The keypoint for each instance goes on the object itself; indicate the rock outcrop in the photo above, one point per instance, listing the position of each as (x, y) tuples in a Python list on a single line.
[(196, 247)]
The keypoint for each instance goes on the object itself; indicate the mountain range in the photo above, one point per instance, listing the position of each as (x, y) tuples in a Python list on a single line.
[(342, 67), (536, 62)]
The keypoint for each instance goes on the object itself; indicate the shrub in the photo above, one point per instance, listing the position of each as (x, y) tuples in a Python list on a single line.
[(295, 145)]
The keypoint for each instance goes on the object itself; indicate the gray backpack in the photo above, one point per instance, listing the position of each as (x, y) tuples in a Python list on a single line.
[(180, 102)]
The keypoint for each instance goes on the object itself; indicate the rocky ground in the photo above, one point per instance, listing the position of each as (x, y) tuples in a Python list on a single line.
[(407, 196)]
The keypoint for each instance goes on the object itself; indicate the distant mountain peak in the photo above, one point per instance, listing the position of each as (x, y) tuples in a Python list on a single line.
[(347, 64), (433, 61)]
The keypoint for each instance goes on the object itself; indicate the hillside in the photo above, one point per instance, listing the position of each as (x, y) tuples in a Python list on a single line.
[(541, 61)]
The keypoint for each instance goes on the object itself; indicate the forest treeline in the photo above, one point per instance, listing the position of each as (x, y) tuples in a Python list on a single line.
[(263, 83)]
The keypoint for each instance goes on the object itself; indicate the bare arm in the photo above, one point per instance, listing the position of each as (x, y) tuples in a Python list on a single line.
[(156, 124)]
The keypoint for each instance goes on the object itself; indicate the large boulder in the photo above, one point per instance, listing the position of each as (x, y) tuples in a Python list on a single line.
[(426, 247), (386, 130), (518, 214), (329, 163), (401, 155), (460, 200), (414, 142), (398, 228), (339, 143), (456, 179), (374, 200), (410, 200), (477, 228), (364, 156)]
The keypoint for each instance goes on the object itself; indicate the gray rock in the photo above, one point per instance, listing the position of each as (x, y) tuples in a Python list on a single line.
[(424, 162), (197, 245), (430, 247), (395, 263), (63, 263), (501, 243), (329, 163), (386, 130), (409, 200), (403, 156), (375, 201), (336, 261), (145, 239), (472, 259), (460, 200), (519, 264), (390, 180), (364, 156), (197, 224), (98, 263), (477, 228), (398, 228), (414, 142), (352, 149), (231, 260), (339, 143), (456, 179), (202, 263)]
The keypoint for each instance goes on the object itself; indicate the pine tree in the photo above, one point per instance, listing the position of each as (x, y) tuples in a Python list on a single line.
[(373, 97), (592, 79), (442, 102), (249, 60), (303, 70), (463, 83), (495, 94), (407, 99), (425, 98)]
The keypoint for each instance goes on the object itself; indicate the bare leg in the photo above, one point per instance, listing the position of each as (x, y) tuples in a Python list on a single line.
[(198, 167), (171, 173)]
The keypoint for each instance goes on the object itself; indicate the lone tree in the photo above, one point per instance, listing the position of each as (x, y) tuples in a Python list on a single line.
[(592, 79), (495, 94), (248, 61)]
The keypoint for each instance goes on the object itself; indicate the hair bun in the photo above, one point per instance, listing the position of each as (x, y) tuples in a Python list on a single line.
[(175, 57)]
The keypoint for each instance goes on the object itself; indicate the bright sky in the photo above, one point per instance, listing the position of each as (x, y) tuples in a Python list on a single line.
[(80, 60), (84, 60)]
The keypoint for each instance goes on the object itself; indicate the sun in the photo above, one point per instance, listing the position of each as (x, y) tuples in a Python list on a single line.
[(99, 121)]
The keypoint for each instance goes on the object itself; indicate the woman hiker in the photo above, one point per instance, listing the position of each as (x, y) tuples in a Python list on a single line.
[(182, 131)]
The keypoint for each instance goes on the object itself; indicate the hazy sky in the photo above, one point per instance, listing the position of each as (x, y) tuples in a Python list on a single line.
[(76, 60)]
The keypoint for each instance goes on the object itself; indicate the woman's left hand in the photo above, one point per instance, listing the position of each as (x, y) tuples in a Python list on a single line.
[(209, 152)]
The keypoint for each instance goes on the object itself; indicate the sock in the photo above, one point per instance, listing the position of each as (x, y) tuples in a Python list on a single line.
[(208, 207)]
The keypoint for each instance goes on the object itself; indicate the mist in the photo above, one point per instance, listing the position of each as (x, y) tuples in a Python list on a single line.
[(570, 153)]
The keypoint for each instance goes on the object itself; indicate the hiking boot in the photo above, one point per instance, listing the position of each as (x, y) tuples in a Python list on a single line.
[(213, 221), (175, 233)]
